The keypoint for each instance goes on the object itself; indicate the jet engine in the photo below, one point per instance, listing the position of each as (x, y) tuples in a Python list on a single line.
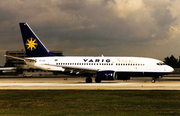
[(111, 75), (105, 75)]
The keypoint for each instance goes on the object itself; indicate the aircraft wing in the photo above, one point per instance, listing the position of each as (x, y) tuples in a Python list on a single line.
[(75, 69), (66, 68)]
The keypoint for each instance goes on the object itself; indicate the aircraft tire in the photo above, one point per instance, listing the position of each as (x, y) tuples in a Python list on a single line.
[(153, 80), (88, 80), (97, 80)]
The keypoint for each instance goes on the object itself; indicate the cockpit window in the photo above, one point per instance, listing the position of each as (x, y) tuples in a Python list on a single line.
[(161, 63)]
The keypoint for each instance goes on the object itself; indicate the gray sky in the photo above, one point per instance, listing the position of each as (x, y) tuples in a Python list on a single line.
[(147, 28)]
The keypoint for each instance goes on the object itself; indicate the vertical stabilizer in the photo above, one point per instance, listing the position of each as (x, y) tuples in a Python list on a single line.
[(32, 44)]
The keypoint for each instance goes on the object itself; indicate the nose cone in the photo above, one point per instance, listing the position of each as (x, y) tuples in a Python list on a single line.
[(169, 69)]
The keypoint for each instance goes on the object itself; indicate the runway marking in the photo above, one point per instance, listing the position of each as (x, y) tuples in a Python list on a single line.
[(85, 84), (61, 84), (91, 86)]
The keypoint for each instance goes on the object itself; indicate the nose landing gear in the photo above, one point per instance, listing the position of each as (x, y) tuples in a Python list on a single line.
[(153, 80)]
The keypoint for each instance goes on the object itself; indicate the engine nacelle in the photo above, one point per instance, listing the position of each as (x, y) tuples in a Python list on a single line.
[(106, 75)]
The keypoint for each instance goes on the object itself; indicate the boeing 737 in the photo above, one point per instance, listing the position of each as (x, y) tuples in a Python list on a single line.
[(103, 68)]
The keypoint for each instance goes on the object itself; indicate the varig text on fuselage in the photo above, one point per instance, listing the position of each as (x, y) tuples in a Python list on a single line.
[(97, 60)]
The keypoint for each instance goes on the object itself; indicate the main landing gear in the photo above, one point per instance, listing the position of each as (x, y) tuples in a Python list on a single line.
[(89, 80), (97, 80)]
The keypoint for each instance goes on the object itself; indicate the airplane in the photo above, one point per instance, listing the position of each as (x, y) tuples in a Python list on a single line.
[(103, 68)]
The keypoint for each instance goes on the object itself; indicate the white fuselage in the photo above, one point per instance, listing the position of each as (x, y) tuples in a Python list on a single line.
[(117, 64)]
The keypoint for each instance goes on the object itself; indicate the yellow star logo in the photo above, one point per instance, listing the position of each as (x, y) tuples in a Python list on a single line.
[(31, 44)]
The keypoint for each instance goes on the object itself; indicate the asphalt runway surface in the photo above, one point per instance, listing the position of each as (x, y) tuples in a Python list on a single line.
[(74, 83)]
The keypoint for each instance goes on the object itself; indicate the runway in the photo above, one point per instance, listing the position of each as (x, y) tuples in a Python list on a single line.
[(167, 83)]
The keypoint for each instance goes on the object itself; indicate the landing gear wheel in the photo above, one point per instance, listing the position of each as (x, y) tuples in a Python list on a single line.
[(97, 80), (88, 80), (153, 80)]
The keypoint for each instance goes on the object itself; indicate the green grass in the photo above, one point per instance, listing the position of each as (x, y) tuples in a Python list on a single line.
[(96, 103)]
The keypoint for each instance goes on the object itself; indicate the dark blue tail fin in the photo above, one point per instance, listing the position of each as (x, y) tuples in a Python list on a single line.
[(33, 46)]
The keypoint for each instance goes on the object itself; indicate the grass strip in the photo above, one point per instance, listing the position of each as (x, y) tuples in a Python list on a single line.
[(81, 102)]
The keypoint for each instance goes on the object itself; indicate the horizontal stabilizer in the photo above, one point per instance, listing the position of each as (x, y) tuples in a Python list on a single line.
[(18, 58)]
